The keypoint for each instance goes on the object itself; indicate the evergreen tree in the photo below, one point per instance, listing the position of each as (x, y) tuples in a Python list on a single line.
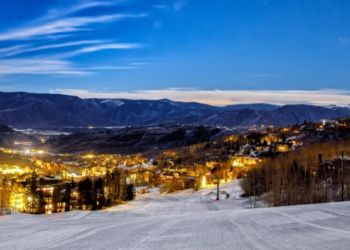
[(67, 197), (85, 188), (129, 193), (99, 191)]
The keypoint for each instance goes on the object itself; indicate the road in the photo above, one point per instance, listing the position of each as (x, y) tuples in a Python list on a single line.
[(183, 221)]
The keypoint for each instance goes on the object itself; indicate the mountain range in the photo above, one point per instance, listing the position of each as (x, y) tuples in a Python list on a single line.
[(28, 110)]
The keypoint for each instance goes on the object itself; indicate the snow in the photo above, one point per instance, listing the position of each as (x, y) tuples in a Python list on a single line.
[(170, 102), (9, 110), (112, 102), (294, 137), (185, 220), (147, 165), (189, 134), (346, 158)]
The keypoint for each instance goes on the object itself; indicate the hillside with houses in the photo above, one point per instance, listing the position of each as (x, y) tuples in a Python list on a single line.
[(310, 157)]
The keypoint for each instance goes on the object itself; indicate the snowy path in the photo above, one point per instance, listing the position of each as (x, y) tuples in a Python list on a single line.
[(183, 221)]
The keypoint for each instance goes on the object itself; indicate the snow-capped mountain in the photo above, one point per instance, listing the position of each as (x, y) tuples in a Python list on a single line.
[(283, 116), (337, 107), (52, 110)]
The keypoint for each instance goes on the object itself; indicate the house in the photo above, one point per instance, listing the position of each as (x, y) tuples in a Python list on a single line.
[(167, 177), (338, 161), (281, 147), (173, 185), (332, 168), (44, 195)]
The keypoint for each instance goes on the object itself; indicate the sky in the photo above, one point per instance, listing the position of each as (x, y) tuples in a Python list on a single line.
[(217, 52)]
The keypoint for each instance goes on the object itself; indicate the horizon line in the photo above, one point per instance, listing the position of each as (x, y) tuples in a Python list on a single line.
[(153, 95)]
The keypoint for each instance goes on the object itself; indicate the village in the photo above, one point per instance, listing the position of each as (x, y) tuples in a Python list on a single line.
[(35, 181)]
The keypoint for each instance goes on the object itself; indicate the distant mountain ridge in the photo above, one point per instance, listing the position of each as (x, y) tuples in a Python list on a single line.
[(283, 116), (135, 139), (20, 109), (8, 136), (5, 129)]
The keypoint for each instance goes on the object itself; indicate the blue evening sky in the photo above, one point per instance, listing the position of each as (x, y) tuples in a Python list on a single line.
[(178, 48)]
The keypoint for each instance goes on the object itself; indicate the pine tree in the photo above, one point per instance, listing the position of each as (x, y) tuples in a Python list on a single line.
[(85, 188)]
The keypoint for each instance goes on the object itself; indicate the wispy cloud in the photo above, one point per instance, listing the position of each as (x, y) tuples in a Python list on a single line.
[(39, 67), (49, 37), (57, 21), (100, 47), (57, 13), (225, 97), (139, 63), (55, 67), (13, 48), (23, 49), (61, 26)]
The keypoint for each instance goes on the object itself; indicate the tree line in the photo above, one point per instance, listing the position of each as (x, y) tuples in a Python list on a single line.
[(306, 176)]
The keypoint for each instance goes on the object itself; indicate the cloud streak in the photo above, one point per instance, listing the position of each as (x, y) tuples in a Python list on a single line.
[(96, 48), (56, 67), (59, 24), (62, 26), (225, 97), (39, 67), (12, 49), (15, 50), (57, 13)]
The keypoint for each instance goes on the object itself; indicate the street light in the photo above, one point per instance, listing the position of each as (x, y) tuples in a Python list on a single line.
[(215, 170), (217, 194)]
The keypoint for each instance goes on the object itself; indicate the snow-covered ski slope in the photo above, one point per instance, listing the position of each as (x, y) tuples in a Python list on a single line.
[(184, 220)]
